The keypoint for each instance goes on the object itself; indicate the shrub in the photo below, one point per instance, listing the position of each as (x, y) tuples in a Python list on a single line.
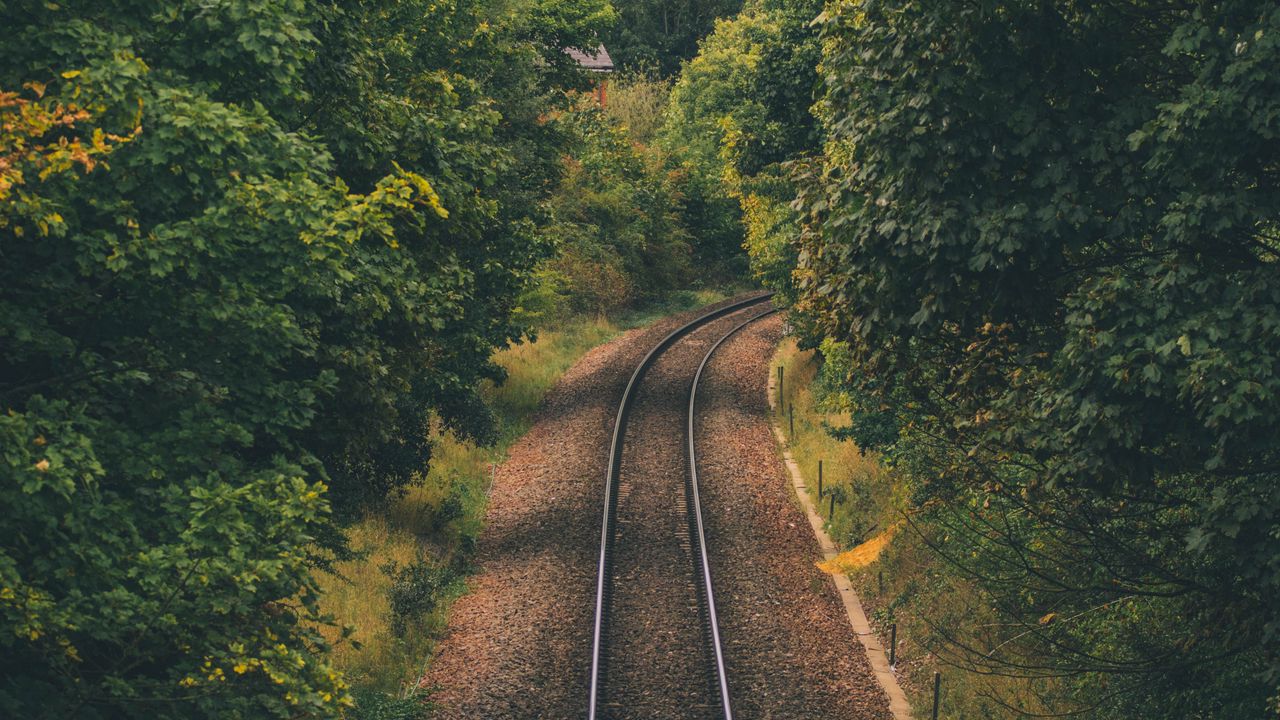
[(416, 589), (638, 103), (615, 221)]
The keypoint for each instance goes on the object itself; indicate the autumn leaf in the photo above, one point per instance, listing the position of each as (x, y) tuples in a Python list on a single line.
[(860, 556)]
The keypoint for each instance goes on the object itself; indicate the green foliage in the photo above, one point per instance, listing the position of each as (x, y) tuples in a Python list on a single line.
[(254, 306), (744, 100), (739, 114), (415, 591), (199, 606), (660, 34), (614, 219), (713, 97), (1046, 233)]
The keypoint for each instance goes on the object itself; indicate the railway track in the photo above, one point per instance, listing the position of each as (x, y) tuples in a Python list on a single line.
[(656, 647)]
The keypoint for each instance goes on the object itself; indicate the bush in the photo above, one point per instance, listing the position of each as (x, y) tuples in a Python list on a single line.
[(614, 220), (415, 591)]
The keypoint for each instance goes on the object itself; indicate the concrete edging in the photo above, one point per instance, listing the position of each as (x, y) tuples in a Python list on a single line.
[(898, 704)]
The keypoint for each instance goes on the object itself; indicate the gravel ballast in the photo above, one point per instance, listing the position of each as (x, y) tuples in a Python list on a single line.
[(790, 650), (658, 661), (518, 643)]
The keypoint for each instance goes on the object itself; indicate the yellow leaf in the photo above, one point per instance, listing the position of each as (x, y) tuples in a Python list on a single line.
[(71, 74), (861, 556), (1048, 618)]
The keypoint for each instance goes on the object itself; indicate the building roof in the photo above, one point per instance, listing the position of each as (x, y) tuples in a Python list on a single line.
[(597, 61)]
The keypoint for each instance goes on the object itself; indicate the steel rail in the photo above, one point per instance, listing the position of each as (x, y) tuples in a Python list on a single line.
[(611, 480), (696, 501)]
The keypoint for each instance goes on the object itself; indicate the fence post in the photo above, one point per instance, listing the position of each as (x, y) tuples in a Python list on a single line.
[(937, 690), (819, 479), (782, 396), (831, 513), (777, 380), (893, 644), (791, 418)]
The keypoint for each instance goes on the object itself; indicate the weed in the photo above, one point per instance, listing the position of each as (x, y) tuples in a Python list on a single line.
[(416, 590)]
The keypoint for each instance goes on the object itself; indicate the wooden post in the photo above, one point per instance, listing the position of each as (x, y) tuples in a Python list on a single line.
[(819, 478), (893, 644), (937, 690), (831, 513), (791, 415), (782, 396)]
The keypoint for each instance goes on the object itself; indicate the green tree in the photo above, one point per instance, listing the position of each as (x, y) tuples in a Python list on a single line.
[(481, 137), (250, 250), (739, 115), (661, 34), (1047, 234)]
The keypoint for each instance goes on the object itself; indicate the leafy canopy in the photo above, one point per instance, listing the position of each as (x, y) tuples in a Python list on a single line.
[(739, 116), (1047, 234), (249, 252)]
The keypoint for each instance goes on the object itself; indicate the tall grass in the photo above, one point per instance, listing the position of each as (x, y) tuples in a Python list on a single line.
[(861, 485), (411, 528), (408, 529)]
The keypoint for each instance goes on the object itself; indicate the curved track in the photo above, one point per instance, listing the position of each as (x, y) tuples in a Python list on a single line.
[(717, 702)]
